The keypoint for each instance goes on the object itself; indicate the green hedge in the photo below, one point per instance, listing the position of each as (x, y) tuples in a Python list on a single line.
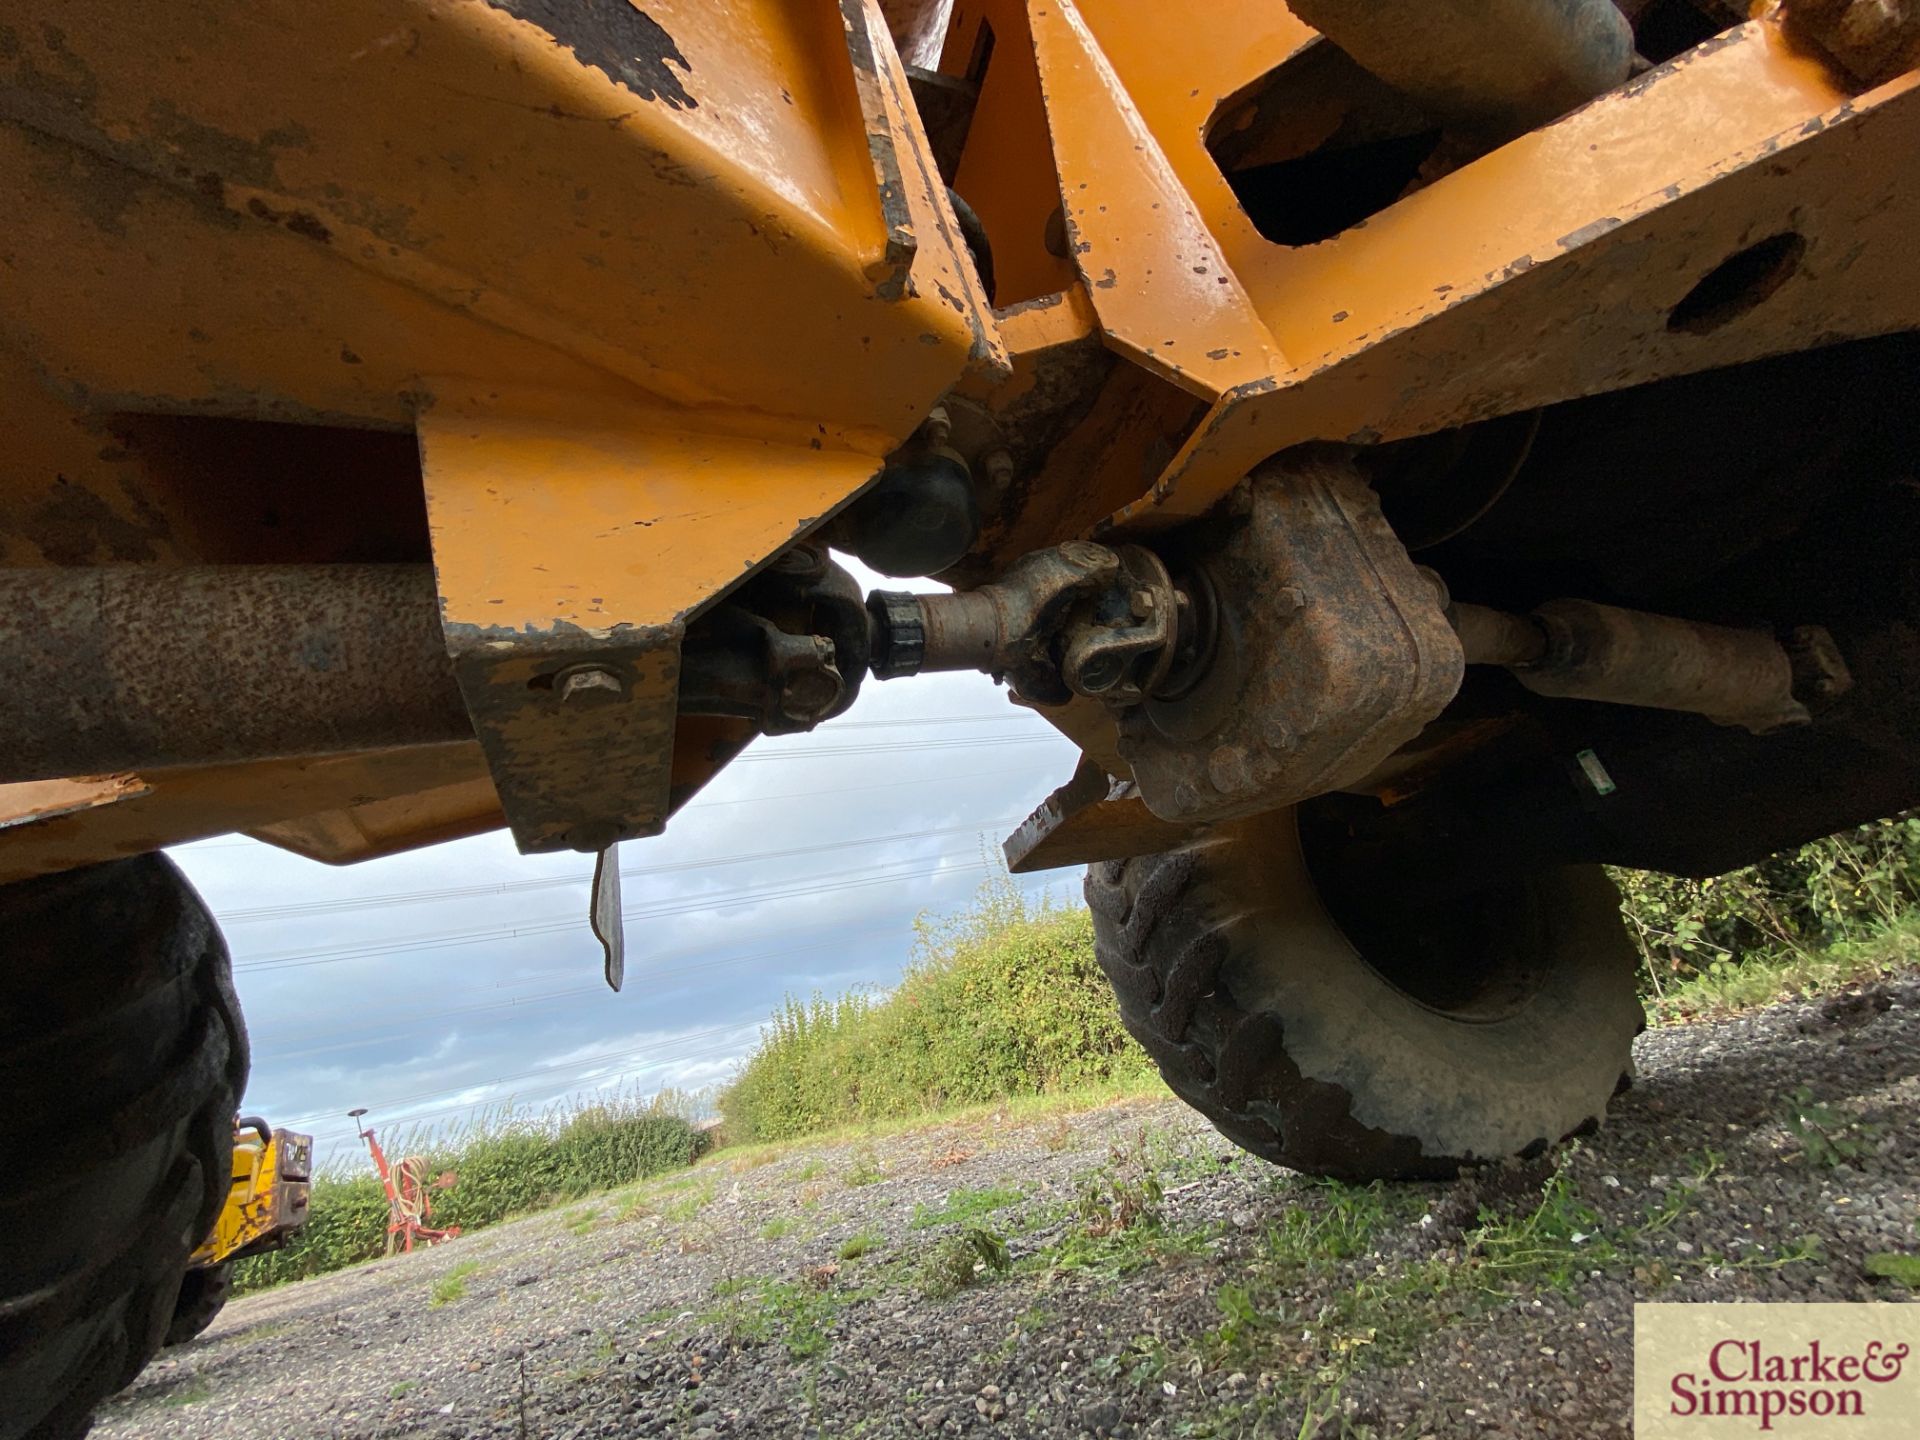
[(1002, 1001), (1846, 888), (497, 1170)]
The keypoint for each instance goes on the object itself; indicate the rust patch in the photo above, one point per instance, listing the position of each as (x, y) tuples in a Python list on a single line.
[(618, 39)]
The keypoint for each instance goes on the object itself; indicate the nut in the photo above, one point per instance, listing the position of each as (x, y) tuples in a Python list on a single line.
[(588, 686)]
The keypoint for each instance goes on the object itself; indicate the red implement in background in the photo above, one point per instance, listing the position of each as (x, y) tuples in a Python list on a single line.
[(407, 1204)]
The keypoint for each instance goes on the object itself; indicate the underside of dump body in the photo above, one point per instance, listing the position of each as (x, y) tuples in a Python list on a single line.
[(1419, 452)]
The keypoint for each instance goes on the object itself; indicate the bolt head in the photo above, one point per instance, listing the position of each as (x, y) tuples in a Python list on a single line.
[(1230, 769), (589, 686)]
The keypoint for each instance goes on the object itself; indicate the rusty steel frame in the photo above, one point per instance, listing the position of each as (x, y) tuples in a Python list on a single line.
[(613, 428)]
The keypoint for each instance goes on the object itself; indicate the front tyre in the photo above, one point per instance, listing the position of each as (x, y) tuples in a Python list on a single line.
[(122, 1059), (1398, 1040), (203, 1295)]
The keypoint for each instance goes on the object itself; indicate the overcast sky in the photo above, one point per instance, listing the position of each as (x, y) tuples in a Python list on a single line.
[(432, 983)]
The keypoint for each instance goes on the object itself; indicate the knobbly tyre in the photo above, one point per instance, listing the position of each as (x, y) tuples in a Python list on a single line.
[(1420, 453)]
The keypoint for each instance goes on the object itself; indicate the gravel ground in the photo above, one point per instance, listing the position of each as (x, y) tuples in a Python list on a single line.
[(810, 1291)]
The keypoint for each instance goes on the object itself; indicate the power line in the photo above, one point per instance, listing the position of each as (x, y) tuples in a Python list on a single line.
[(838, 936), (586, 1063), (560, 1085), (549, 882), (566, 1066), (720, 900), (836, 933)]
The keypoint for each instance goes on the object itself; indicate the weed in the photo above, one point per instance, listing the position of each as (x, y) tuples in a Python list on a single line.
[(1028, 1321), (1123, 1194), (865, 1170), (964, 1206), (812, 1170), (797, 1313), (452, 1286), (862, 1243), (1827, 1138), (966, 1257), (1353, 1313), (1902, 1270), (1143, 1362), (776, 1227), (401, 1388)]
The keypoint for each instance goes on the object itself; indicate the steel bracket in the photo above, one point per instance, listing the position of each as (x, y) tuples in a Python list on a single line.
[(576, 539)]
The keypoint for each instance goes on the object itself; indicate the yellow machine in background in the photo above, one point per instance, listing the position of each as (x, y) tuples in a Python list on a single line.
[(266, 1205)]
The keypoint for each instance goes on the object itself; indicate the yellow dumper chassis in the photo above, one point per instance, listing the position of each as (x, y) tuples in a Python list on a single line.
[(659, 293)]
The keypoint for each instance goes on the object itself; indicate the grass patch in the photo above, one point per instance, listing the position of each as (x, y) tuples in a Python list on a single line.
[(865, 1242), (191, 1393), (797, 1314), (452, 1286), (776, 1227), (965, 1206), (1312, 1310), (1726, 987), (580, 1222), (401, 1389), (688, 1205)]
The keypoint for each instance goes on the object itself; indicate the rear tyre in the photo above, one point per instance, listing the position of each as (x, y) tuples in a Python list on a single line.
[(1400, 1040), (203, 1295), (122, 1058)]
